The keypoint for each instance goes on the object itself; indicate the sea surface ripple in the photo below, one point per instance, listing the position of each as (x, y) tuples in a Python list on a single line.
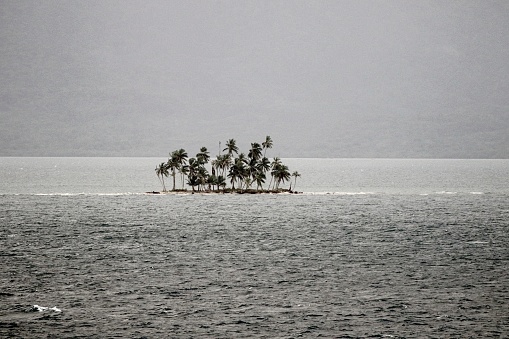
[(229, 266)]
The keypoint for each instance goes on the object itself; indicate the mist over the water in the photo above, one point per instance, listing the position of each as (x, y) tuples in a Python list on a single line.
[(323, 78)]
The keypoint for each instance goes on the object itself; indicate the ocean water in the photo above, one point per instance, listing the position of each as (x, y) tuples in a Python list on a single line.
[(380, 248)]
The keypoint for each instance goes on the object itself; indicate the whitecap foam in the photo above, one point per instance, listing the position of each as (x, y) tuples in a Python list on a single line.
[(89, 194), (59, 194), (477, 242), (37, 308), (115, 194), (338, 193)]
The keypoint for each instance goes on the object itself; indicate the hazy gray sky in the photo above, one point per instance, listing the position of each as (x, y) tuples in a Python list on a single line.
[(323, 78)]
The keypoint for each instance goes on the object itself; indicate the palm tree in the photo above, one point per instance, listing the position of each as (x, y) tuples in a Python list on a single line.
[(214, 165), (192, 181), (295, 174), (281, 174), (221, 182), (247, 181), (227, 163), (192, 167), (203, 156), (264, 166), (223, 163), (237, 172), (161, 172), (252, 167), (202, 176), (255, 152), (181, 159), (243, 170), (185, 172), (275, 162), (260, 179), (172, 165), (211, 181), (231, 147), (267, 144), (242, 157), (158, 173), (218, 163)]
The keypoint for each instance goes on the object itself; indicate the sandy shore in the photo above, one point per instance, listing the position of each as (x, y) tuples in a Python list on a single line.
[(223, 192)]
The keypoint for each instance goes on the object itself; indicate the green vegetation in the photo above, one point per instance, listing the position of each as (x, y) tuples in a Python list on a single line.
[(242, 171)]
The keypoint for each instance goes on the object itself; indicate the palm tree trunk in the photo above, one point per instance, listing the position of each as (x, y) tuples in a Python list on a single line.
[(159, 178)]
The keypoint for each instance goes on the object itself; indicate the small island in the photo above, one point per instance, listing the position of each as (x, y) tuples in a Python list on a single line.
[(241, 170)]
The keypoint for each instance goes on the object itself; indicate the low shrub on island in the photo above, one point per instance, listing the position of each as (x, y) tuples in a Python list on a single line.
[(241, 170)]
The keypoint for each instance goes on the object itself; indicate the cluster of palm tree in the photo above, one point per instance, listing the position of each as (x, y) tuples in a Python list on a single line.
[(241, 170)]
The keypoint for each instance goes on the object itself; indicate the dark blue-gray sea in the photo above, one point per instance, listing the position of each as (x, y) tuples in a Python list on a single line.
[(373, 248)]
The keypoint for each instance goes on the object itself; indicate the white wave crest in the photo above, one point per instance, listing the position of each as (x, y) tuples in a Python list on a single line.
[(87, 194), (478, 242), (338, 193), (37, 308)]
